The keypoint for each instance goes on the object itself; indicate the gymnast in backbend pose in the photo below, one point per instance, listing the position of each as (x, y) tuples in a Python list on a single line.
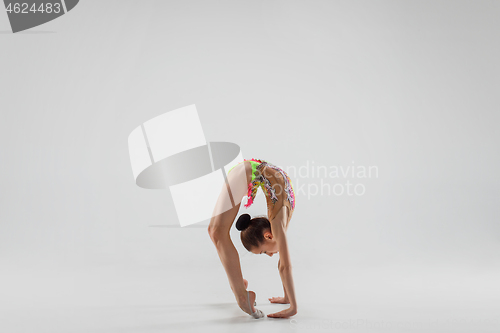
[(259, 235)]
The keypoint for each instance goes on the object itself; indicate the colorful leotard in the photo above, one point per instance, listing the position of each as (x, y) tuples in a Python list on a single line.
[(259, 180)]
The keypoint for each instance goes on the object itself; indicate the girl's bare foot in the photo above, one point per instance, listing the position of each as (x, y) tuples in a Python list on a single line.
[(246, 286), (245, 303)]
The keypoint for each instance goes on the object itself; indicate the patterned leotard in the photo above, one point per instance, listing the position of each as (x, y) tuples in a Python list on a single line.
[(259, 180)]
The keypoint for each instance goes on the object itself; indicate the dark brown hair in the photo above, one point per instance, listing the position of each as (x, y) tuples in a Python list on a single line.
[(252, 230)]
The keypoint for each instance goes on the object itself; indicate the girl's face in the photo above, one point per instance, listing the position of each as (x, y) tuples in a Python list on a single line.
[(269, 247)]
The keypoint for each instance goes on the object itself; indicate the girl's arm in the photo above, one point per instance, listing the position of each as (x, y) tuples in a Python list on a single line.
[(284, 290), (285, 266), (280, 300)]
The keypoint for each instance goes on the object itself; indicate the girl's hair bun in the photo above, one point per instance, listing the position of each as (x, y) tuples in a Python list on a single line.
[(243, 222)]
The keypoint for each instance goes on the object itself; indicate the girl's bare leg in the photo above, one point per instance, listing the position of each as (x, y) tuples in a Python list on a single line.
[(220, 224)]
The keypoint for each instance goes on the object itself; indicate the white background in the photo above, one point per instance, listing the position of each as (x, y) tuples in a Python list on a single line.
[(410, 87)]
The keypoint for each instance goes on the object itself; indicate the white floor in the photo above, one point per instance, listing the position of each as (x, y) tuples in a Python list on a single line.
[(180, 298)]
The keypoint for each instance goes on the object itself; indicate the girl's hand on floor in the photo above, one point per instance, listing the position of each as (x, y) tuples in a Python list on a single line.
[(280, 300), (283, 313)]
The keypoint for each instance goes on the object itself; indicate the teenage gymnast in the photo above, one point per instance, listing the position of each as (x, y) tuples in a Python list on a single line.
[(259, 235)]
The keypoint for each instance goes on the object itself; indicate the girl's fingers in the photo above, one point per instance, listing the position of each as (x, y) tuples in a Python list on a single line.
[(281, 314), (275, 315), (280, 300)]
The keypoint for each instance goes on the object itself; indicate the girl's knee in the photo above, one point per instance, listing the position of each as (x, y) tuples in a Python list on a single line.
[(217, 233)]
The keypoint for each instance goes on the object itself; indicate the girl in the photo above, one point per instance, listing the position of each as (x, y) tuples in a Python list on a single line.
[(259, 235)]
